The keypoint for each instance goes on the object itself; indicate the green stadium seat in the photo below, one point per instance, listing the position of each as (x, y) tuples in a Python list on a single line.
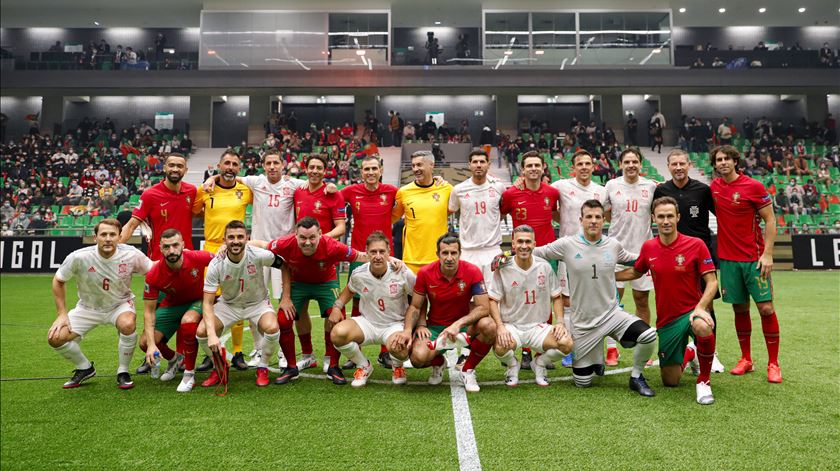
[(134, 199)]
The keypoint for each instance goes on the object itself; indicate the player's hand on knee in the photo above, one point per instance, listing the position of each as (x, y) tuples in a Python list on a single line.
[(400, 341), (59, 323), (336, 316), (503, 338), (423, 333), (288, 307), (701, 314), (559, 332)]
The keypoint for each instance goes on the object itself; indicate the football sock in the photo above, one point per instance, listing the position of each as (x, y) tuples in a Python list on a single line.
[(395, 362), (478, 350), (72, 352), (202, 342), (552, 355), (256, 335), (770, 326), (187, 333), (236, 332), (270, 344), (165, 351), (354, 353), (438, 361), (743, 327), (287, 338), (383, 349), (331, 351), (641, 354), (508, 358), (689, 355), (305, 343), (179, 342), (705, 354), (611, 343), (126, 346)]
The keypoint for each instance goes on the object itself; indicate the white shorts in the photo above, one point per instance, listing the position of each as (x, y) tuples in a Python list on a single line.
[(274, 278), (374, 334), (83, 320), (532, 338), (589, 343), (645, 283), (563, 278), (482, 258), (230, 315)]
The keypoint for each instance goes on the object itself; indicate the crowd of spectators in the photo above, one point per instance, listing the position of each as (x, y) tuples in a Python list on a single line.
[(102, 55), (92, 170), (826, 56)]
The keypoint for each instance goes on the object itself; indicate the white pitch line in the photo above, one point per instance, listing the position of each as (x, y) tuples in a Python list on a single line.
[(464, 435)]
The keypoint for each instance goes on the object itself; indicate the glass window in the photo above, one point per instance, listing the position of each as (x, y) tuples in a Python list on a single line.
[(351, 32), (506, 35), (625, 38), (554, 37)]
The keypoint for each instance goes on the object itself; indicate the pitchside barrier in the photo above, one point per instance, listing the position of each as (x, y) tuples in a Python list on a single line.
[(816, 252)]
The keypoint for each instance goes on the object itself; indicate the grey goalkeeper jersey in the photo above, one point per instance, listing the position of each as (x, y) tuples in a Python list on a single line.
[(591, 270)]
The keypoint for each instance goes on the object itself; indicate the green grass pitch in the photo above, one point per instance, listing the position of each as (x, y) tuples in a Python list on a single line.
[(312, 424)]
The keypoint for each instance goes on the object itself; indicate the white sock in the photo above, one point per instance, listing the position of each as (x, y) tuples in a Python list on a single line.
[(611, 343), (202, 343), (552, 355), (189, 372), (508, 358), (354, 353), (641, 354), (126, 347), (270, 344), (395, 362), (72, 352), (257, 336)]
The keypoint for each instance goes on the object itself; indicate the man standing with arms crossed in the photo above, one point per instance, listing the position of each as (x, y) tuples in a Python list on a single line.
[(227, 202), (677, 263), (180, 277), (694, 200), (746, 258), (104, 288)]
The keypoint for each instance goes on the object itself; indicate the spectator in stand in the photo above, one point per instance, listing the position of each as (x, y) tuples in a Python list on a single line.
[(826, 55), (824, 175), (804, 229), (801, 165), (7, 212), (786, 165), (830, 125), (698, 64), (717, 63), (656, 135), (751, 166), (130, 56), (724, 132), (19, 223)]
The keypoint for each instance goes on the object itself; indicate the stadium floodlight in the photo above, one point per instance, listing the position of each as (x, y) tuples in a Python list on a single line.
[(721, 10), (682, 10), (801, 9), (762, 10)]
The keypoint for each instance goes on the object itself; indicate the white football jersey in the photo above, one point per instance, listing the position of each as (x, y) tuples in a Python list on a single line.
[(274, 206), (524, 296), (591, 269), (630, 205), (103, 283), (572, 196), (383, 300), (480, 219), (242, 283)]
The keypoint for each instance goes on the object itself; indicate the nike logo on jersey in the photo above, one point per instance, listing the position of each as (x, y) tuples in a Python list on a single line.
[(520, 203), (359, 197), (164, 203), (433, 286), (651, 259)]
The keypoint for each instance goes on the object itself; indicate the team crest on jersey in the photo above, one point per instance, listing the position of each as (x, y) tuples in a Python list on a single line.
[(541, 280), (194, 273), (239, 194), (436, 196), (492, 192), (694, 211), (547, 201), (122, 268), (461, 286), (393, 288), (735, 197), (318, 206), (287, 191), (383, 199), (680, 259), (252, 270), (189, 201), (644, 193), (321, 265)]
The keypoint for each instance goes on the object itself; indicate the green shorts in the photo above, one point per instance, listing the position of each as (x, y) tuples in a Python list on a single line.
[(673, 338), (323, 293), (437, 329), (168, 319), (553, 264), (741, 280), (353, 266)]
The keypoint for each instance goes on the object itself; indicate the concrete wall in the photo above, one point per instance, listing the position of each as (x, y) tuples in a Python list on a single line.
[(230, 127), (125, 110), (455, 108), (739, 107), (16, 109)]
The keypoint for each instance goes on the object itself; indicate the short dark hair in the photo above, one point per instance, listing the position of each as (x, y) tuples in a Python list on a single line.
[(272, 152), (476, 152), (728, 150), (580, 152), (663, 200), (377, 236), (448, 238), (322, 158), (629, 150), (529, 155), (523, 228), (107, 222), (230, 152), (235, 224), (591, 204), (372, 157), (307, 222), (174, 154), (171, 232)]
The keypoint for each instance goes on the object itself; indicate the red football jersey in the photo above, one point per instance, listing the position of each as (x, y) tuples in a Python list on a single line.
[(318, 268), (165, 209), (371, 212), (533, 208), (182, 286), (740, 237), (449, 300), (323, 207), (677, 270)]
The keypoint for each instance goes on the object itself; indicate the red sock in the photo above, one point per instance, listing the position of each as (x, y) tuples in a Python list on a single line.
[(743, 327), (165, 351), (770, 327), (331, 351), (179, 342), (525, 350), (478, 350), (383, 349), (438, 361), (305, 343), (705, 354), (287, 338), (187, 335), (355, 312), (689, 355)]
